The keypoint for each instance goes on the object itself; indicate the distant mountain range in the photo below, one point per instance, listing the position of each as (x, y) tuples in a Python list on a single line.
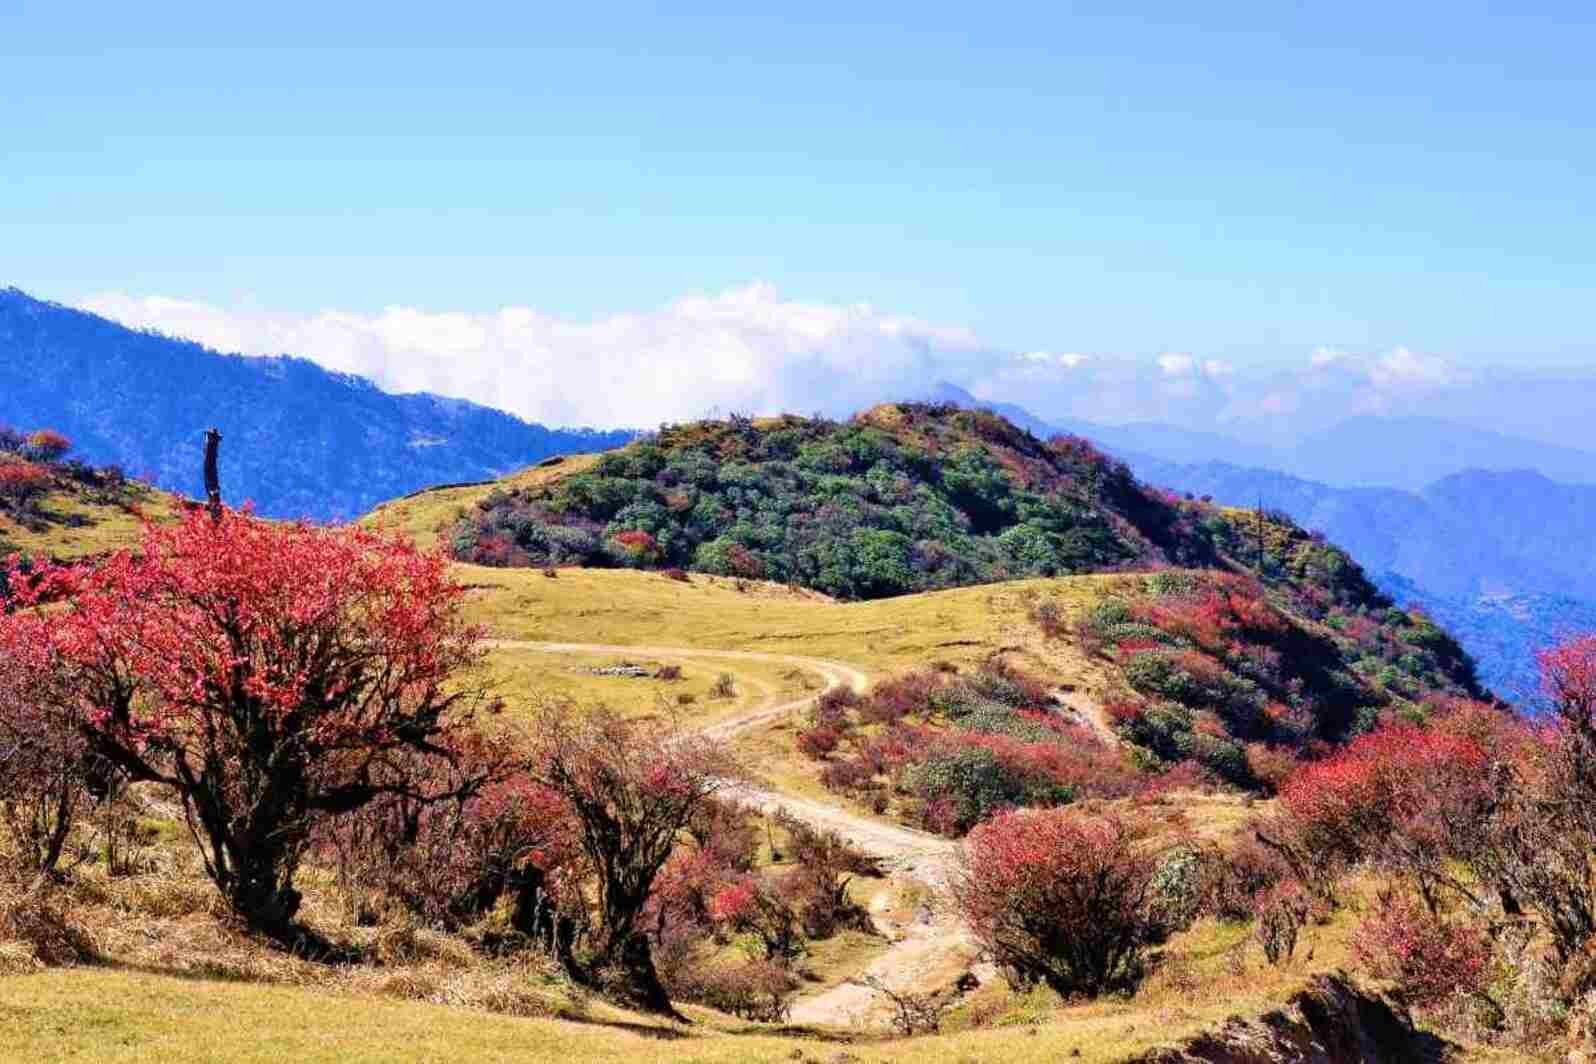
[(1390, 452), (1503, 558), (299, 441)]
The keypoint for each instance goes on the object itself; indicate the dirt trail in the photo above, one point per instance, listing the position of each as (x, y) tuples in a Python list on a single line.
[(1091, 713), (930, 946)]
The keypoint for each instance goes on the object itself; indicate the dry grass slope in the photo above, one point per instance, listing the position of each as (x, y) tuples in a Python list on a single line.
[(71, 526), (423, 515)]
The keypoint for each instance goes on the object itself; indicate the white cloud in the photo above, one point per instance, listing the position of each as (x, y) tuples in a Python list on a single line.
[(1066, 359), (744, 349), (1403, 367), (749, 349), (1177, 364)]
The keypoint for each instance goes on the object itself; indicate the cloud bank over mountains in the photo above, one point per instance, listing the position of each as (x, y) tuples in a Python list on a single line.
[(750, 349), (745, 349)]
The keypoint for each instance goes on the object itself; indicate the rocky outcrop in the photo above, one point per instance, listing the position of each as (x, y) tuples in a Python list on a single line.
[(1331, 1021)]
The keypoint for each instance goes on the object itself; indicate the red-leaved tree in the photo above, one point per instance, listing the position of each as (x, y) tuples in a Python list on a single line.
[(273, 675), (1059, 895), (20, 481), (42, 754)]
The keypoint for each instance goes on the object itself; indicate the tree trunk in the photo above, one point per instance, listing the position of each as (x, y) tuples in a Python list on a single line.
[(213, 480)]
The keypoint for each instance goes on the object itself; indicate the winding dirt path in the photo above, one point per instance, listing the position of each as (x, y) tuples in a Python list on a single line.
[(930, 947)]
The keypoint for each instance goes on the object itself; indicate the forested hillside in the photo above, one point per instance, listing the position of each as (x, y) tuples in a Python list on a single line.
[(300, 440), (1246, 628)]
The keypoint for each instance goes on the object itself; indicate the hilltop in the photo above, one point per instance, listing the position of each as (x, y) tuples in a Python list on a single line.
[(301, 441), (902, 498), (1227, 630)]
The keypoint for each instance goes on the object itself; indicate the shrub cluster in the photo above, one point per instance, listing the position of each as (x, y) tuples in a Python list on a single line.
[(1483, 823), (927, 497), (730, 933), (1217, 670), (952, 750)]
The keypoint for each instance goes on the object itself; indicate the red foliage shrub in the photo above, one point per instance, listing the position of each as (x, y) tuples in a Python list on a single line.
[(742, 562), (632, 787), (1122, 710), (273, 675), (1059, 895), (819, 741), (754, 989), (1270, 765), (1049, 618), (831, 708), (452, 861), (1187, 775), (43, 786), (20, 481), (1281, 912), (1408, 797), (1237, 877), (1430, 958), (1033, 690), (900, 696), (636, 546), (1568, 676), (46, 445), (846, 774)]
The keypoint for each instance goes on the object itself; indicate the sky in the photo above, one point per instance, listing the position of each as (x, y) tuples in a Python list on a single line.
[(474, 197)]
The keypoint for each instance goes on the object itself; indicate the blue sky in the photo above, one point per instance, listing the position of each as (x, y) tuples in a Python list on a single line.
[(1247, 183)]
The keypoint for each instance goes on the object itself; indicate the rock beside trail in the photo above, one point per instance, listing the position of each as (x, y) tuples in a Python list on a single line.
[(1331, 1021)]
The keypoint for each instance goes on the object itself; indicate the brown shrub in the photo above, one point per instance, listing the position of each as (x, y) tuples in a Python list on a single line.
[(37, 920), (756, 989), (1282, 911), (818, 742), (1049, 618)]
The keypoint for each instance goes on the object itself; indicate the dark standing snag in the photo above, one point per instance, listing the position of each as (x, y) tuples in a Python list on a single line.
[(213, 480)]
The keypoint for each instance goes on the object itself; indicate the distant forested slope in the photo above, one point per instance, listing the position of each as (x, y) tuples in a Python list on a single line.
[(299, 440)]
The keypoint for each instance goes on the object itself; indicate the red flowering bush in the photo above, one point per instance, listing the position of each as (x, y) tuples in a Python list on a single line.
[(631, 788), (818, 742), (43, 786), (502, 836), (1059, 896), (1270, 765), (272, 675), (1280, 912), (1430, 958), (1411, 798)]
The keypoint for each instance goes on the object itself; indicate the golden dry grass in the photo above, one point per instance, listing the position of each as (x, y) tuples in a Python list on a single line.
[(525, 677), (71, 526), (109, 1014), (625, 606), (424, 515)]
